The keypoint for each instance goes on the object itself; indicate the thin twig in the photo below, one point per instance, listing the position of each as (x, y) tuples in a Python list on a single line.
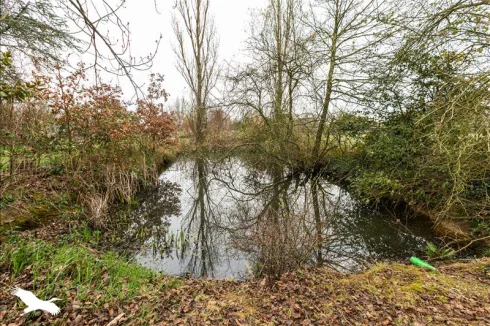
[(116, 320)]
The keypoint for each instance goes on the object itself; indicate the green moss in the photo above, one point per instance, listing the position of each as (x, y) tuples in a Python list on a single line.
[(415, 287), (43, 211), (442, 299)]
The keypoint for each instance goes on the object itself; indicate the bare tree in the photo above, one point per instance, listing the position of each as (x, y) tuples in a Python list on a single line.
[(279, 46), (91, 17), (270, 85), (345, 33), (197, 56)]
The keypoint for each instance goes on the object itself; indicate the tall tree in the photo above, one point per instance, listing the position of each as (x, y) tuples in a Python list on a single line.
[(270, 84), (345, 33), (197, 55)]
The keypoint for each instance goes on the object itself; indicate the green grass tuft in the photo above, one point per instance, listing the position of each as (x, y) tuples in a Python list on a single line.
[(61, 267)]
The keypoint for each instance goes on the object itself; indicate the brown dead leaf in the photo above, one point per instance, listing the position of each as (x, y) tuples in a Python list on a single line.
[(77, 320)]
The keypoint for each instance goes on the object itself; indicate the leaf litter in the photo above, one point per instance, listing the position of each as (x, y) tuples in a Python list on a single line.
[(385, 294)]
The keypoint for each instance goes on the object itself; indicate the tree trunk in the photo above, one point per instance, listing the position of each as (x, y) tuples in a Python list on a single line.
[(328, 90)]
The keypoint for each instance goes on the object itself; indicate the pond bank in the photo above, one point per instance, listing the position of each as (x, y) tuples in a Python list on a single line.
[(457, 232), (389, 294)]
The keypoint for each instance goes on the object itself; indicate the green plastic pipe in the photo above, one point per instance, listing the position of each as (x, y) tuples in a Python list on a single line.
[(419, 262)]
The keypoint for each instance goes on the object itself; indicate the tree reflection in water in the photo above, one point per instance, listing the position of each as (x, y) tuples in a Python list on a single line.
[(149, 222), (233, 217), (200, 221)]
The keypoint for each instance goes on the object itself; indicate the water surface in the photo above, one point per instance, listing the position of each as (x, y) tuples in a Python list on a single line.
[(236, 218)]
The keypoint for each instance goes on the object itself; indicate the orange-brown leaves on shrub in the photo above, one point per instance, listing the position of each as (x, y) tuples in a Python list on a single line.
[(155, 123), (104, 117), (158, 125), (96, 116)]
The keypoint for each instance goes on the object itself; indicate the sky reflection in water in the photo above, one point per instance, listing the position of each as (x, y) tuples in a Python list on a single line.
[(232, 219)]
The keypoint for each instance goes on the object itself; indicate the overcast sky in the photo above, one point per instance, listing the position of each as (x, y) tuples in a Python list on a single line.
[(231, 19)]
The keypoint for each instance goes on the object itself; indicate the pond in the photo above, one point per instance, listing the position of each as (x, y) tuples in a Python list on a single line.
[(237, 218)]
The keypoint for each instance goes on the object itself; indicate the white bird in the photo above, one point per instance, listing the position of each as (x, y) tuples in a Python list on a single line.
[(33, 303)]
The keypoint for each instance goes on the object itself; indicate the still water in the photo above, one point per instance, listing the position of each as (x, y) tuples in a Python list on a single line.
[(237, 218)]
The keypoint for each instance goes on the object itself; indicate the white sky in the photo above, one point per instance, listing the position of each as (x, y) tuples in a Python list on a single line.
[(231, 20)]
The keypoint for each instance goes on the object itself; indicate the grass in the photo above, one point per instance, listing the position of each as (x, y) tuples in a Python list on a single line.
[(57, 268)]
